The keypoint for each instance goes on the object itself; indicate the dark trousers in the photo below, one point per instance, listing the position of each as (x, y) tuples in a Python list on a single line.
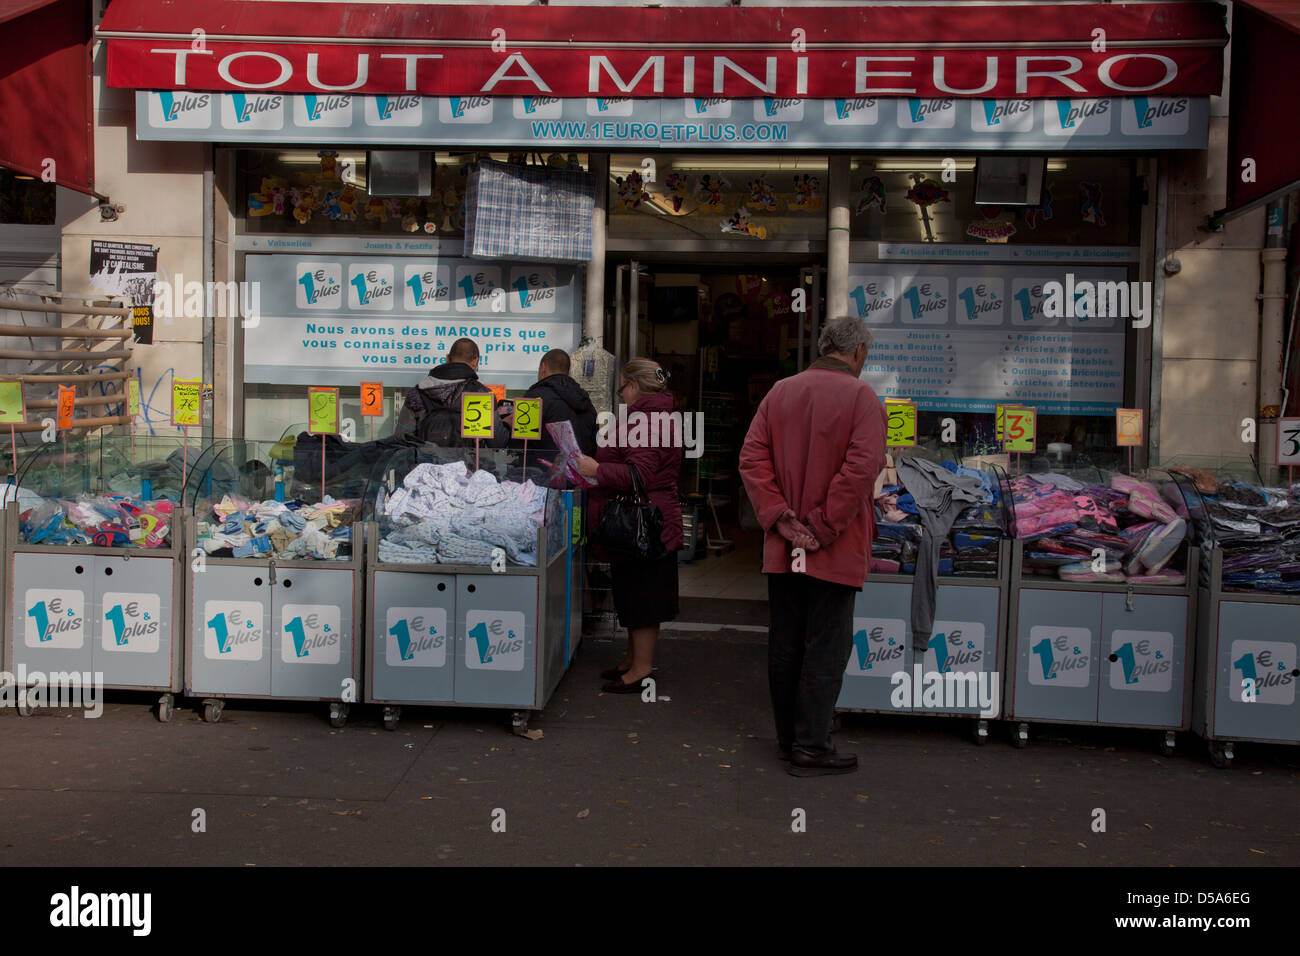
[(809, 642)]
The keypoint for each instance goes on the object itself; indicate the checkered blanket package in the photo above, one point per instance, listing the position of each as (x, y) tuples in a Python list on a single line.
[(528, 212)]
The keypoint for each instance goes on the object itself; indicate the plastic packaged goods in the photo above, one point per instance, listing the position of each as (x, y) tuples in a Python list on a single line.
[(1257, 529), (105, 521), (1121, 529)]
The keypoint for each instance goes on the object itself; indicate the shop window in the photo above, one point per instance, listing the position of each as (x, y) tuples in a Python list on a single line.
[(324, 192), (1089, 201), (701, 196), (25, 200)]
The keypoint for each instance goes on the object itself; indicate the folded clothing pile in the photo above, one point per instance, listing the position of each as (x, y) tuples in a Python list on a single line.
[(288, 530), (1125, 530), (972, 548), (105, 521), (443, 514), (1259, 532)]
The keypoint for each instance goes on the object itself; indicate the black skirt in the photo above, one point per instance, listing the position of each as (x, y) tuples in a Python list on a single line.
[(645, 592)]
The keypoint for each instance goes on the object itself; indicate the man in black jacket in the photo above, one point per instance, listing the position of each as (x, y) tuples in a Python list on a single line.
[(432, 410), (563, 400)]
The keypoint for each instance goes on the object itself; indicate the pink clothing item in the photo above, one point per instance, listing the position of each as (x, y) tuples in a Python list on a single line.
[(815, 447)]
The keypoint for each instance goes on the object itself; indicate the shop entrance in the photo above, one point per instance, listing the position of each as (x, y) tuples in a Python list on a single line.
[(725, 332)]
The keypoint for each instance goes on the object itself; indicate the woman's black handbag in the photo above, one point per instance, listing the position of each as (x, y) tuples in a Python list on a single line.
[(631, 529)]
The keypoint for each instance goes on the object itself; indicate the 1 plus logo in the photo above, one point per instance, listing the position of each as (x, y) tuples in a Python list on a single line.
[(130, 623), (417, 637), (1077, 117), (855, 111), (931, 113), (877, 642), (394, 110), (180, 110), (232, 630), (319, 285), (1156, 115), (534, 290), (426, 288), (55, 618), (313, 110), (309, 634), (925, 302), (980, 300), (1142, 660), (1002, 116), (538, 107), (775, 109), (1060, 656), (465, 109), (474, 288), (1028, 300), (710, 107), (248, 111), (955, 647), (370, 287), (1263, 672), (875, 299), (609, 106), (494, 640)]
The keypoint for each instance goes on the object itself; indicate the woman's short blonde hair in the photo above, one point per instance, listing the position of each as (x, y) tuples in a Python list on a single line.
[(647, 374)]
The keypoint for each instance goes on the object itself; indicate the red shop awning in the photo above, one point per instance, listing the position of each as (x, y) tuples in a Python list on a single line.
[(45, 93), (1262, 118), (992, 51)]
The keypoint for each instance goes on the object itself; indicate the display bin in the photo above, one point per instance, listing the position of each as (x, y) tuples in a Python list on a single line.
[(1248, 649), (477, 631), (116, 581), (1116, 654), (284, 621), (967, 638)]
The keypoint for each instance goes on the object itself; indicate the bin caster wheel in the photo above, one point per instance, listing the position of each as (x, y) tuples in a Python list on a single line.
[(1020, 736), (1167, 745), (519, 723), (1221, 754), (24, 704), (212, 711), (338, 715), (390, 717), (165, 708), (981, 732)]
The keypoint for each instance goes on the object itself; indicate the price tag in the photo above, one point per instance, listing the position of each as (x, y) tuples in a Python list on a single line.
[(372, 398), (1128, 427), (1288, 441), (1000, 417), (67, 405), (900, 424), (476, 415), (1019, 430), (499, 391), (187, 398), (13, 408), (528, 419), (133, 396), (322, 411)]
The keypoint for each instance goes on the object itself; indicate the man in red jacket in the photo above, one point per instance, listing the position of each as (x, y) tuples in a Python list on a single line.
[(809, 464)]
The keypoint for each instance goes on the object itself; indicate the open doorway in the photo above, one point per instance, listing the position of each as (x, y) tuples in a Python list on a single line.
[(725, 335)]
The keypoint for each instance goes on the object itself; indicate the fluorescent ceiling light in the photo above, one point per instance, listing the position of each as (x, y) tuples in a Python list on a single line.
[(930, 165)]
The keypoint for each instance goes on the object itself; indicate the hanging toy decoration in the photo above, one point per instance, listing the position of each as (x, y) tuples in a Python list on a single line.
[(807, 190), (1042, 212), (873, 194), (1091, 209), (994, 227), (925, 193), (677, 186)]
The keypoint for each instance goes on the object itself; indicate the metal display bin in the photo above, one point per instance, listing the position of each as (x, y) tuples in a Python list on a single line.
[(470, 635), (1102, 653), (272, 626), (1248, 658), (968, 637), (120, 601)]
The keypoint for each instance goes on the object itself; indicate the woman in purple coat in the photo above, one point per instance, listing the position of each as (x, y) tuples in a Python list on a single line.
[(645, 592)]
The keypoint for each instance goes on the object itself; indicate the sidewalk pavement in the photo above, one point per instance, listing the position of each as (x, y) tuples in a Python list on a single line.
[(690, 779)]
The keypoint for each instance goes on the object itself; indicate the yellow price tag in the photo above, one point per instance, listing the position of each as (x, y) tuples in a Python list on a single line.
[(187, 402), (322, 411), (999, 420), (133, 396), (900, 424), (528, 419), (1128, 427), (13, 410), (1019, 430), (476, 415)]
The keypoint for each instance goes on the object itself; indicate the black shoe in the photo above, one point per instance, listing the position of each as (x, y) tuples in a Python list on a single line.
[(804, 764), (614, 673), (619, 686)]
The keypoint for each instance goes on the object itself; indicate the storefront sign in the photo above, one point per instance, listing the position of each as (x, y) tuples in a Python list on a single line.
[(464, 52), (1133, 123), (968, 338), (130, 270), (341, 320)]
